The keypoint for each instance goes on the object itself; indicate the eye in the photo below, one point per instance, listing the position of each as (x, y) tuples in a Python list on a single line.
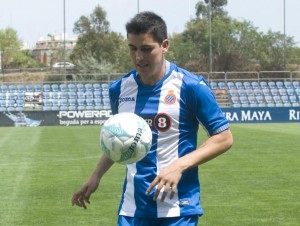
[(132, 48), (146, 49)]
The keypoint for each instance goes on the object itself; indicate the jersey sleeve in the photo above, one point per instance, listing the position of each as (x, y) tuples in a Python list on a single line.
[(207, 111)]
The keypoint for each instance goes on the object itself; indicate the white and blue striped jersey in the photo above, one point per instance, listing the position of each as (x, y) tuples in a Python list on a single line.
[(174, 108)]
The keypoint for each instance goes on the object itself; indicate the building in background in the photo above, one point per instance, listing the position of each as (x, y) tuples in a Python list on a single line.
[(50, 50)]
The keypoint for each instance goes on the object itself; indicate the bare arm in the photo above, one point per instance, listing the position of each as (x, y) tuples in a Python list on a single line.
[(170, 176), (82, 196)]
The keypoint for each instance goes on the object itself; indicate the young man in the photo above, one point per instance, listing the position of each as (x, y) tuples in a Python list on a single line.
[(163, 188)]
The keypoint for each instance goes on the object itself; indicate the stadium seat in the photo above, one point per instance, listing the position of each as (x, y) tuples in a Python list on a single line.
[(80, 108), (279, 84), (63, 87), (72, 102), (81, 102), (290, 91), (97, 94), (2, 96), (55, 102), (54, 88), (20, 88), (20, 103), (271, 84), (293, 99), (12, 96), (231, 85), (28, 88), (297, 90), (12, 88), (98, 101), (46, 102), (55, 95), (222, 85), (3, 103), (257, 92), (89, 95), (63, 108), (80, 87), (88, 87), (285, 99), (250, 92), (233, 92), (235, 100), (296, 84), (269, 99), (46, 95), (247, 85), (80, 95), (89, 102), (63, 95), (4, 88), (72, 95), (241, 92), (46, 88), (266, 91), (64, 102), (89, 107), (37, 88), (255, 85), (105, 93), (277, 100), (274, 91), (263, 85), (213, 85), (72, 87), (239, 85), (72, 108), (252, 100), (10, 109), (20, 96), (98, 107), (288, 84), (282, 91), (55, 108), (96, 87), (104, 86), (244, 101)]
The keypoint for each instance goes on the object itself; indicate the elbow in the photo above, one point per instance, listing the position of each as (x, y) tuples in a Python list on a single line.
[(228, 142)]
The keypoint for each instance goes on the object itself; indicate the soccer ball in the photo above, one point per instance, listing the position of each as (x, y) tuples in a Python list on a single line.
[(125, 138)]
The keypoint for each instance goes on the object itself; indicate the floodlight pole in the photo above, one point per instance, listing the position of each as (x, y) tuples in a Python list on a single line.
[(138, 6), (209, 34), (64, 52), (284, 36)]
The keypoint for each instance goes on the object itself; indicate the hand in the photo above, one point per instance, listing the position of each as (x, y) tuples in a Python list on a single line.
[(82, 196), (167, 179)]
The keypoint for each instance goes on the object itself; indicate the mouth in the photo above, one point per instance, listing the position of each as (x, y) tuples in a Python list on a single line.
[(142, 66)]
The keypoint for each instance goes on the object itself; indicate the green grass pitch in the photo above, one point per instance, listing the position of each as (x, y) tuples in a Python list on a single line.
[(256, 183)]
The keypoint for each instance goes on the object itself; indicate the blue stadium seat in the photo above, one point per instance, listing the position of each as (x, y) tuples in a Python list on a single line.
[(279, 84), (46, 95), (72, 87), (263, 85), (64, 102), (81, 102), (72, 102), (19, 109), (271, 84), (10, 109), (55, 95), (20, 88), (241, 92), (63, 108), (213, 85), (247, 85), (293, 99), (88, 87), (20, 103), (54, 88), (37, 88), (63, 95), (105, 93), (89, 107), (55, 102), (97, 94), (72, 95), (28, 88), (12, 96), (80, 95), (96, 87), (46, 88), (282, 91), (233, 92), (255, 85), (89, 95), (266, 91), (4, 88), (252, 100), (3, 103), (290, 91), (297, 90), (63, 87), (2, 96), (235, 100), (288, 84), (12, 88), (104, 86), (222, 85), (55, 108), (239, 85), (89, 102), (80, 108), (72, 108), (244, 101), (250, 92), (231, 85), (257, 92), (80, 87), (296, 84), (274, 91), (285, 99)]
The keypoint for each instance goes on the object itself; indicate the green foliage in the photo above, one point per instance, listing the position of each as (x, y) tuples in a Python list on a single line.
[(97, 44)]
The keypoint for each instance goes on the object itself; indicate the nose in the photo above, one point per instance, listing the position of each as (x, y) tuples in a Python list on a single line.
[(139, 55)]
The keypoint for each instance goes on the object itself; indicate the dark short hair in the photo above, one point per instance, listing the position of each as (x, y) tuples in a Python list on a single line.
[(148, 22)]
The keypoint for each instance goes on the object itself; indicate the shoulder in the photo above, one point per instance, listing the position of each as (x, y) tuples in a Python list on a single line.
[(117, 83)]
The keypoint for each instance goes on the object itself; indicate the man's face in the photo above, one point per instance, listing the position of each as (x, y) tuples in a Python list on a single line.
[(147, 55)]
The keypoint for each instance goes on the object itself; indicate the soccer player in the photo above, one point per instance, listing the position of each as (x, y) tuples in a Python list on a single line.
[(163, 188)]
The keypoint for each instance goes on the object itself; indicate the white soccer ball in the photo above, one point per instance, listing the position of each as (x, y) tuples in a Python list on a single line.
[(125, 138)]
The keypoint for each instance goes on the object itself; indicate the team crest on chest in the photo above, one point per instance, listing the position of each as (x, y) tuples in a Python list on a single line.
[(170, 98)]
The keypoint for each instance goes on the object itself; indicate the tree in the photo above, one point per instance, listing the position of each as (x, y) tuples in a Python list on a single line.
[(97, 44)]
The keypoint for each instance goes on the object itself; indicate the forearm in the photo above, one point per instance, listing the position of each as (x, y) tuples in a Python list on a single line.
[(211, 148), (102, 167)]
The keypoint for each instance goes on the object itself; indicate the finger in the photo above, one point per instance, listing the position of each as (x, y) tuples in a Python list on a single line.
[(157, 191), (152, 185), (173, 190), (165, 191)]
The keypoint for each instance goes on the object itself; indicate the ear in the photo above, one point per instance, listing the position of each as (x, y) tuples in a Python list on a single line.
[(165, 46)]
